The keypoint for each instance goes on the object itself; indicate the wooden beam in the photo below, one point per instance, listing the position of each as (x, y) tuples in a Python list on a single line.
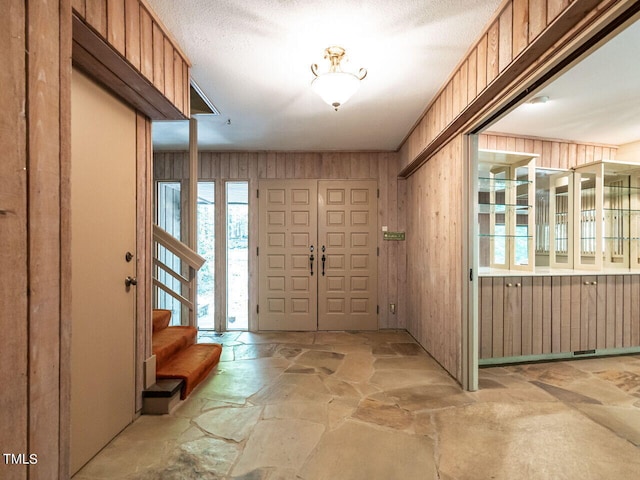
[(95, 57)]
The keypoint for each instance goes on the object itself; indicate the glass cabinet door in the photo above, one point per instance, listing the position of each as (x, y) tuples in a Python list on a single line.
[(588, 217), (616, 215), (560, 220), (523, 221), (505, 215), (634, 219), (492, 217)]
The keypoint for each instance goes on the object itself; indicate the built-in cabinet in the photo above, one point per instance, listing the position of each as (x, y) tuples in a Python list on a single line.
[(607, 215), (538, 316), (561, 237), (586, 218)]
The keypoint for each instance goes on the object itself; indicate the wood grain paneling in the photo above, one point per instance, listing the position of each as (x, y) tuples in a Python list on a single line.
[(560, 314), (136, 33), (96, 15), (507, 52), (552, 153), (434, 276), (144, 236), (116, 25), (13, 237), (133, 32), (253, 166), (44, 111)]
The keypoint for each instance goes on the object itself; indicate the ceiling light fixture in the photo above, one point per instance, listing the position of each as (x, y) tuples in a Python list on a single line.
[(539, 100), (335, 86)]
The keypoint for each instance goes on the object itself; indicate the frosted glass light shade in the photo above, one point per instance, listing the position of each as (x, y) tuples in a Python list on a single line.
[(335, 88)]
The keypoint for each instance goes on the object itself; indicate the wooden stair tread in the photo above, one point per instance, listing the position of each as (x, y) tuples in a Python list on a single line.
[(192, 365), (170, 341)]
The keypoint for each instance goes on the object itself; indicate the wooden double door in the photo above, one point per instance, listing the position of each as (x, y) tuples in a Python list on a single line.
[(318, 255)]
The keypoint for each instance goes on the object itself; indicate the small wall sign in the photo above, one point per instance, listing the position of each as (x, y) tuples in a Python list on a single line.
[(393, 236)]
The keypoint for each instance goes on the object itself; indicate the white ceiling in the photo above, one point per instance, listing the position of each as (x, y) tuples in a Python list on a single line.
[(252, 59), (597, 101)]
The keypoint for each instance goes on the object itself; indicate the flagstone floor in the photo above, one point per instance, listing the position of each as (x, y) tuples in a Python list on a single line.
[(351, 406)]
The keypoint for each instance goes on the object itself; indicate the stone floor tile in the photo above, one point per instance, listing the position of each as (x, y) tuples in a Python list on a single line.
[(328, 362), (356, 367), (623, 421), (386, 336), (357, 451), (248, 352), (625, 380), (340, 388), (293, 387), (231, 423), (411, 348), (206, 458), (425, 397), (398, 377), (279, 443), (234, 384), (302, 338), (338, 338), (539, 441), (383, 414), (407, 363), (312, 411), (373, 405), (383, 350), (555, 373), (339, 410), (565, 395)]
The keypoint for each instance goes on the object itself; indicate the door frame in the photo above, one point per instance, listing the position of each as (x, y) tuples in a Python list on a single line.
[(317, 250)]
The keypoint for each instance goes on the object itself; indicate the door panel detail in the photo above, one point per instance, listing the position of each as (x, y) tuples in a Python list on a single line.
[(340, 218), (288, 230)]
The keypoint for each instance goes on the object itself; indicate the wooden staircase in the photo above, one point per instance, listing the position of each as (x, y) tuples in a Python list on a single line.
[(179, 357)]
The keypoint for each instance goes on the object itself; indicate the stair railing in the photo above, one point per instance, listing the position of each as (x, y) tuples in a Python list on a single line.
[(190, 263)]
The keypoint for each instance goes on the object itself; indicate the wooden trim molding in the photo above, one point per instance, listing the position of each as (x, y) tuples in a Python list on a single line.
[(93, 55)]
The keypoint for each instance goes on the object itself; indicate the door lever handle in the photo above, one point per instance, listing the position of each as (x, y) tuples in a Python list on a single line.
[(130, 281), (311, 259), (323, 259)]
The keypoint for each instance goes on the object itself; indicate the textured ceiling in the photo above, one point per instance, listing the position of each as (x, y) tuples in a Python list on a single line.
[(597, 101), (252, 59)]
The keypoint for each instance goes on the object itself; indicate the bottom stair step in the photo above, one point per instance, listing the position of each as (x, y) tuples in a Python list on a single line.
[(192, 365)]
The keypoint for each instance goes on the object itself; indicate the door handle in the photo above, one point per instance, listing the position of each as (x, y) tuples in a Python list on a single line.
[(323, 259), (311, 259), (130, 281)]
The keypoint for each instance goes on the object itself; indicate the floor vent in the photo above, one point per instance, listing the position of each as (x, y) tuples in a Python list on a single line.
[(581, 353)]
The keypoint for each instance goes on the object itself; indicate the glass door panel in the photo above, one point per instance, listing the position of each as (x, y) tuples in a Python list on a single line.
[(589, 218), (560, 217), (206, 248), (237, 195)]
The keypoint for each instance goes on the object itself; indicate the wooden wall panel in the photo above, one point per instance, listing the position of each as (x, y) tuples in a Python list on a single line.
[(137, 34), (144, 236), (434, 303), (553, 153), (44, 112), (80, 7), (146, 44), (14, 305), (253, 166), (96, 15), (514, 40), (520, 38), (116, 25), (506, 37), (133, 32)]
